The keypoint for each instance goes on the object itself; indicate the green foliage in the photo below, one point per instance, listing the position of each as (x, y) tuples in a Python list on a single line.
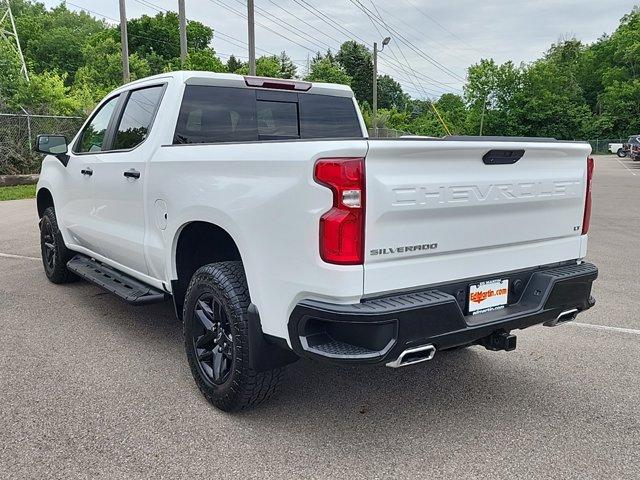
[(234, 65), (327, 69), (160, 35), (17, 192), (287, 68), (47, 91), (53, 40), (266, 66), (356, 60), (390, 94), (205, 60), (102, 70), (574, 91)]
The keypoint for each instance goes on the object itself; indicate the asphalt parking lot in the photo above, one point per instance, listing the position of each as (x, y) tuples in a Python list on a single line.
[(91, 387)]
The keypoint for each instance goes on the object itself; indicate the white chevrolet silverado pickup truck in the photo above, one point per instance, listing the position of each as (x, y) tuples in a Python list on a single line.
[(279, 230)]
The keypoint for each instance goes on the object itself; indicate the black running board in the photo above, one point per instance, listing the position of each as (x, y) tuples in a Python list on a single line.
[(122, 285)]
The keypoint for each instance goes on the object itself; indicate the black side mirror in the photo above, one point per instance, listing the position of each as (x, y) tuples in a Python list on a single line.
[(53, 145)]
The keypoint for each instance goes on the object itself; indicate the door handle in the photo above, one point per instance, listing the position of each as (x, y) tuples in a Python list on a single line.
[(133, 173), (86, 171)]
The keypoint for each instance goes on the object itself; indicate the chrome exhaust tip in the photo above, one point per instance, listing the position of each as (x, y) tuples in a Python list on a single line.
[(564, 317), (413, 355)]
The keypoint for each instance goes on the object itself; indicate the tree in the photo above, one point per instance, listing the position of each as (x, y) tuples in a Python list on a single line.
[(47, 93), (204, 60), (266, 66), (287, 68), (490, 93), (53, 40), (390, 94), (102, 71), (234, 65), (329, 71), (160, 34), (356, 60)]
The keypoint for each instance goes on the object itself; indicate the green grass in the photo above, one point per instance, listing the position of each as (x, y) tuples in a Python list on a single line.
[(18, 192)]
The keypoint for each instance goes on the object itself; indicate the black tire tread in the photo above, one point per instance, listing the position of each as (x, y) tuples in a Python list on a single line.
[(60, 273), (249, 387)]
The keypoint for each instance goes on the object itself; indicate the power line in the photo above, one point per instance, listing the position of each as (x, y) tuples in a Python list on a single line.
[(289, 27), (227, 7), (350, 35), (425, 14), (305, 22), (421, 34), (433, 107), (413, 47)]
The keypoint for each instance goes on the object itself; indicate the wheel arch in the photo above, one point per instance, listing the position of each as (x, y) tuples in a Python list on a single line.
[(195, 244), (44, 200)]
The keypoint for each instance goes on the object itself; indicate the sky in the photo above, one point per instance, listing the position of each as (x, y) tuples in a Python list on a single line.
[(438, 39)]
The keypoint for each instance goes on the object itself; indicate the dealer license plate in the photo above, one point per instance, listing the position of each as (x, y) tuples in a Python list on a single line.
[(487, 296)]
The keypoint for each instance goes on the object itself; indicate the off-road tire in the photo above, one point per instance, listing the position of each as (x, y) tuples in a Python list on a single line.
[(244, 387), (621, 153), (55, 254)]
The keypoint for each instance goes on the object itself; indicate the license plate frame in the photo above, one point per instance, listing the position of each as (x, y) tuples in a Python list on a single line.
[(488, 296)]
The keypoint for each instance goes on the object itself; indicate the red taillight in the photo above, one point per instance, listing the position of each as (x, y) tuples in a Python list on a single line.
[(342, 227), (587, 199)]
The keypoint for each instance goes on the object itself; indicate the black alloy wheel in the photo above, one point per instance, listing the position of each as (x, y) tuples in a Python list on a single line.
[(55, 254), (48, 246), (212, 339)]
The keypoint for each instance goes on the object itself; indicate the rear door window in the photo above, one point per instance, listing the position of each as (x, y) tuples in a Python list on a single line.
[(137, 117), (210, 114)]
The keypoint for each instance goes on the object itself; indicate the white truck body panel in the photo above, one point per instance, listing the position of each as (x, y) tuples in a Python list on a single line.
[(471, 218), (484, 219)]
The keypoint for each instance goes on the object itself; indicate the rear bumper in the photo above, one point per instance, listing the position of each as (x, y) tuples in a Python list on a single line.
[(378, 330)]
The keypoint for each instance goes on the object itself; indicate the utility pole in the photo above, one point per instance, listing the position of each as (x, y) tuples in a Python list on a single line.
[(126, 76), (374, 114), (183, 32), (484, 107), (8, 32), (252, 37)]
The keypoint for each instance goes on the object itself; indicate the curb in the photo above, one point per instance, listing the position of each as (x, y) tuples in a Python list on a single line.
[(12, 180)]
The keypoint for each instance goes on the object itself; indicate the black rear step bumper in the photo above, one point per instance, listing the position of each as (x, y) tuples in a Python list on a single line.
[(378, 330)]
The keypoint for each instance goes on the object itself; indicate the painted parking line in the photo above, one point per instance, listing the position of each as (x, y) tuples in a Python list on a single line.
[(11, 255), (605, 328), (630, 171)]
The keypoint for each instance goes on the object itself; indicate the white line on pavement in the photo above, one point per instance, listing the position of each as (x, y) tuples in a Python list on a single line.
[(630, 171), (604, 327), (10, 255)]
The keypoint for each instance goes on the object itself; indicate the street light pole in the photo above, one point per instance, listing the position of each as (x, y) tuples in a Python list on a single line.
[(252, 37), (374, 113)]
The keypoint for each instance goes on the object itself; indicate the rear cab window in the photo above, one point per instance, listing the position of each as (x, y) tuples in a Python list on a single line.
[(211, 114)]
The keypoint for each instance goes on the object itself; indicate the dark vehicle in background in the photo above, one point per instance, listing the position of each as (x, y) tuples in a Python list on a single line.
[(632, 147)]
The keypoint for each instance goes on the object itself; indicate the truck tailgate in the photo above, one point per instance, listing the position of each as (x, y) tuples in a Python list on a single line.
[(437, 212)]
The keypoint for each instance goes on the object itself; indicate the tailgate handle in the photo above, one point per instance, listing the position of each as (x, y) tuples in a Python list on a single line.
[(502, 157)]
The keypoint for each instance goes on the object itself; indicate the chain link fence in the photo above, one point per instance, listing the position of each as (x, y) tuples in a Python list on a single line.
[(385, 133), (600, 146), (18, 132)]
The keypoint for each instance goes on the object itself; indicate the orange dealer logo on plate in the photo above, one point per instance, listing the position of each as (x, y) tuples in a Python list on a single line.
[(482, 295)]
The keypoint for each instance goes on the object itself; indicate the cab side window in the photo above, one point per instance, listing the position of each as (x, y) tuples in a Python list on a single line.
[(93, 136), (137, 117)]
